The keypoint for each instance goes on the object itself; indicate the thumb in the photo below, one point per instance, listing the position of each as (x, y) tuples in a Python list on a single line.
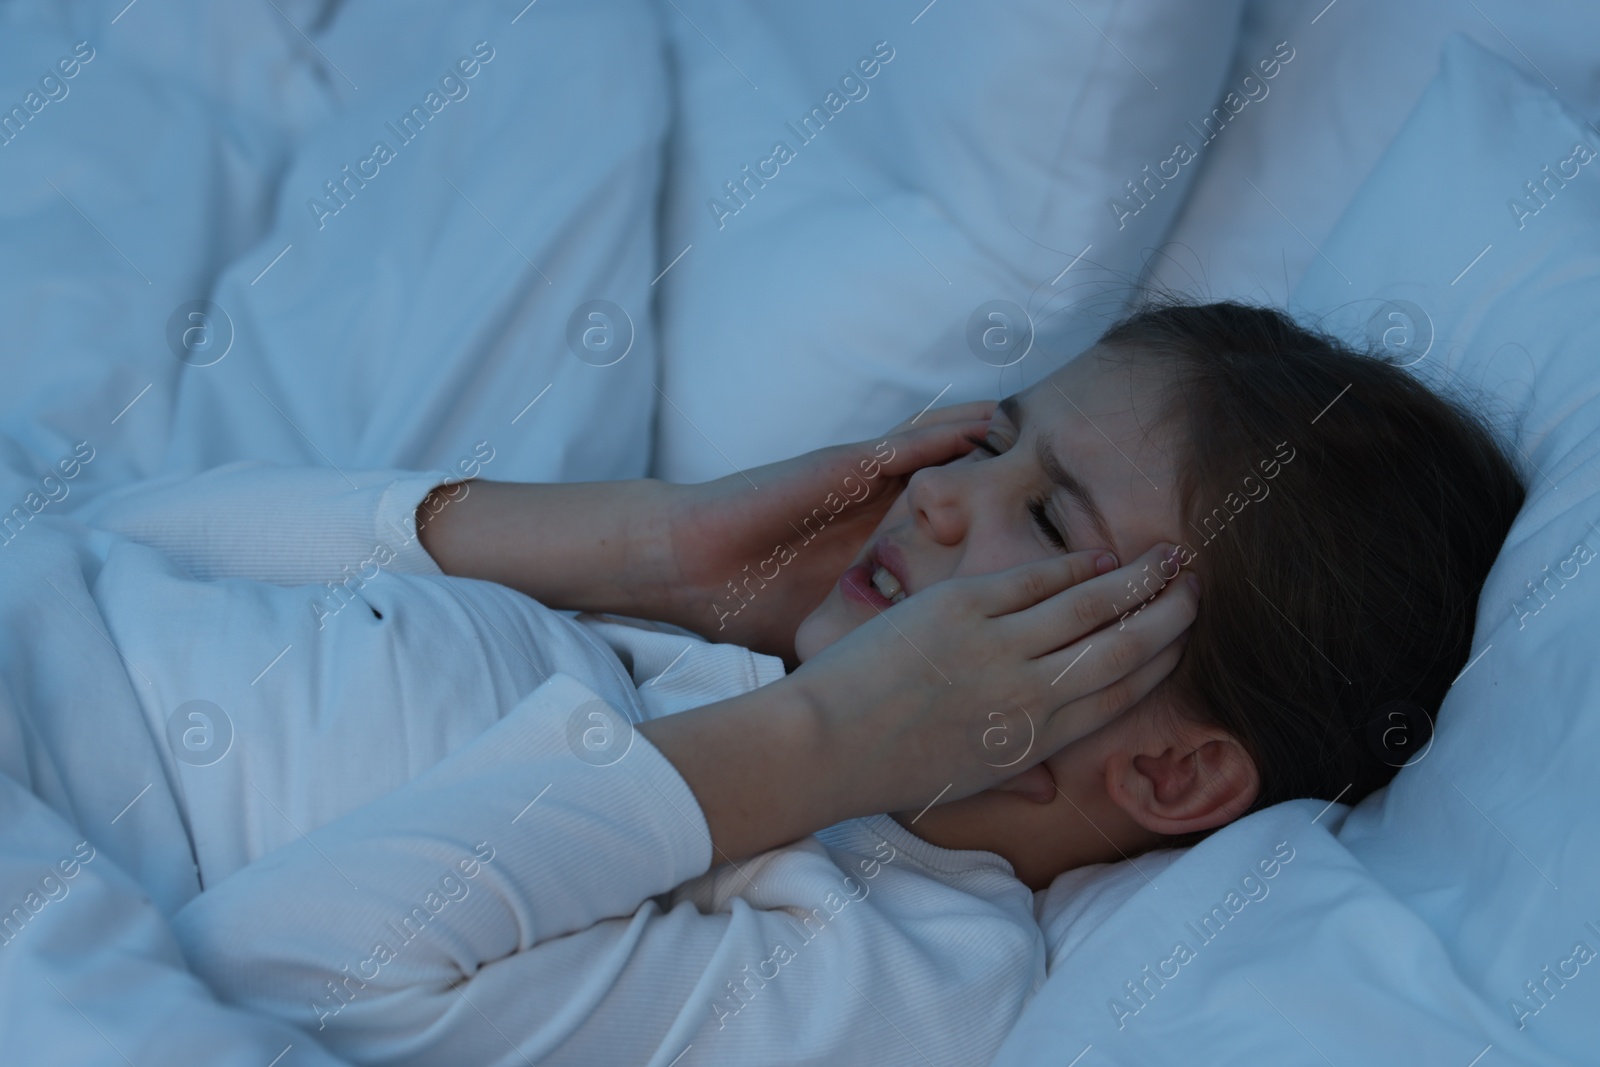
[(1036, 783)]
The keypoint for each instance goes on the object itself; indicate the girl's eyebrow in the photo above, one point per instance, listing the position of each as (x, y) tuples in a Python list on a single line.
[(1012, 408)]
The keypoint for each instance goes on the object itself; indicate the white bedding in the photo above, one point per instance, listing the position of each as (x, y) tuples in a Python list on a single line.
[(1360, 68), (1451, 917), (948, 232), (190, 160), (420, 320)]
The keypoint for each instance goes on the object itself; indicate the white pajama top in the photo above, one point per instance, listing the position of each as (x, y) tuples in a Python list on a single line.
[(424, 830)]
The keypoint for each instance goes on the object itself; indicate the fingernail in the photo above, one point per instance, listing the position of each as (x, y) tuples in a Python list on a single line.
[(1194, 582), (1106, 561), (1172, 556)]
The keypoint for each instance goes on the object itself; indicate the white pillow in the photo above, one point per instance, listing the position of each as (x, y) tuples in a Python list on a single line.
[(1361, 67), (1406, 931), (1492, 835), (423, 311), (168, 130), (966, 154)]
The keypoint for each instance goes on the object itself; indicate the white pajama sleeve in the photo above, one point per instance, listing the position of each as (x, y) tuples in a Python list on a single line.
[(271, 523), (541, 944), (509, 842), (91, 971)]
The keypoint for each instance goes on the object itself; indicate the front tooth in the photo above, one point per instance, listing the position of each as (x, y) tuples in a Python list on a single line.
[(888, 585)]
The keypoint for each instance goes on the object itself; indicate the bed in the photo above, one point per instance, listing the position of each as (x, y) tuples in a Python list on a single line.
[(678, 238)]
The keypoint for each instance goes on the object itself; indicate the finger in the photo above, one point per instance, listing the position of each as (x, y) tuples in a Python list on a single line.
[(1086, 607), (813, 474), (1082, 717), (926, 446), (1109, 655), (967, 412), (1022, 588)]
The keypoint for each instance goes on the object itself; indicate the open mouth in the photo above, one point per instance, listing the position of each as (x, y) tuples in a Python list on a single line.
[(875, 580), (887, 584)]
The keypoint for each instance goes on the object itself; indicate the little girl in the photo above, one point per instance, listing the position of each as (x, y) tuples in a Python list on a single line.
[(690, 862)]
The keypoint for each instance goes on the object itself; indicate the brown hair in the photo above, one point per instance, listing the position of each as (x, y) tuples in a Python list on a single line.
[(1339, 590)]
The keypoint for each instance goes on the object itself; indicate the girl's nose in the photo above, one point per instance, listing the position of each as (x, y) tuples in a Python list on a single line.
[(937, 498)]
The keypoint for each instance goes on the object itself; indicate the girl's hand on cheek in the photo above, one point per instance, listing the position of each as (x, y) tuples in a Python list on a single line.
[(782, 534), (1048, 652)]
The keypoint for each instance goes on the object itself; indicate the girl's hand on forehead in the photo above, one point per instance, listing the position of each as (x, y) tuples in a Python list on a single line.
[(1048, 652), (789, 529)]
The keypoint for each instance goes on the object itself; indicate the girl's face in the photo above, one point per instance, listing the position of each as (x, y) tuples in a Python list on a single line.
[(1077, 469), (1079, 466)]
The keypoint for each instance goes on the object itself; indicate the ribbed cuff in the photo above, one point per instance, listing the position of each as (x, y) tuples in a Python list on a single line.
[(394, 523)]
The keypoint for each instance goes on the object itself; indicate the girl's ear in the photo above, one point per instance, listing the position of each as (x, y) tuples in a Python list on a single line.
[(1183, 778)]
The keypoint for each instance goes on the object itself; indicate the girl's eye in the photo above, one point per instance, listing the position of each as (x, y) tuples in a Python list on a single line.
[(1036, 508), (983, 444), (1041, 519)]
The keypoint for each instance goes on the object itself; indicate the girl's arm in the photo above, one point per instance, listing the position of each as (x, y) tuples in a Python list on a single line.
[(904, 710), (581, 545), (645, 548), (692, 555), (497, 910), (584, 546), (271, 523), (476, 914)]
